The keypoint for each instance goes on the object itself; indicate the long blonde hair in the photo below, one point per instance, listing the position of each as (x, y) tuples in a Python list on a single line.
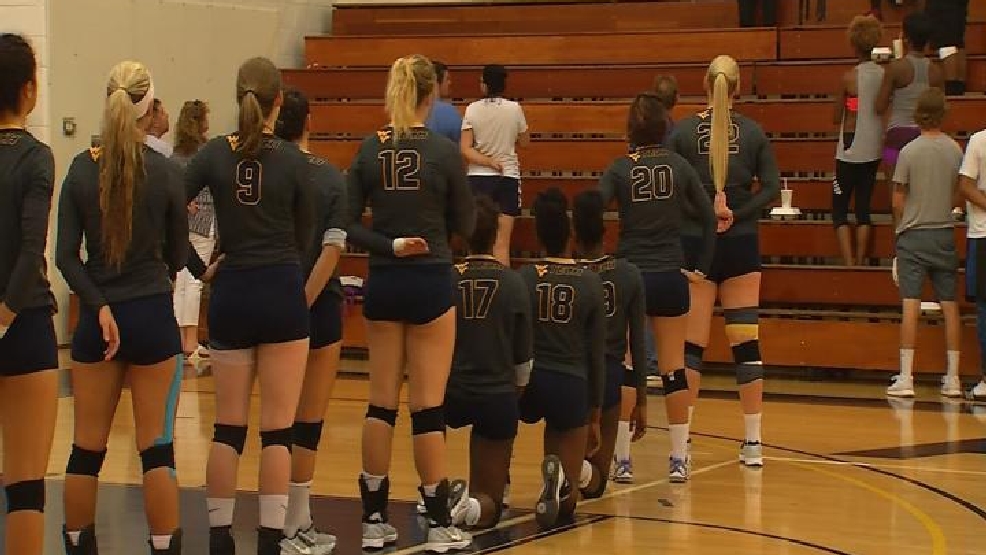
[(258, 84), (410, 83), (722, 80), (129, 95)]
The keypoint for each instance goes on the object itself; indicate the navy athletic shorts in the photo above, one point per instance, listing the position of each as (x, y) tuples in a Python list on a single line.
[(616, 375), (257, 306), (413, 294), (505, 191), (326, 320), (975, 269), (492, 417), (148, 332), (667, 294), (30, 344), (561, 400), (735, 255)]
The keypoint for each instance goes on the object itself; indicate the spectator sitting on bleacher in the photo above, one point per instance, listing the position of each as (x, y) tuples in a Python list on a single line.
[(748, 12), (857, 156), (972, 186), (444, 118), (924, 185)]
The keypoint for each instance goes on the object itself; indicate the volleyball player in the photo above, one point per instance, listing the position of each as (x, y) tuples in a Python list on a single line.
[(126, 201), (729, 150), (323, 293), (415, 181), (258, 317), (623, 291), (28, 347), (652, 187), (568, 380), (857, 156), (492, 129), (491, 366)]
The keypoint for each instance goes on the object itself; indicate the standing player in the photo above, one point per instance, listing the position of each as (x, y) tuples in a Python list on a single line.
[(323, 293), (857, 156), (491, 367), (653, 188), (417, 186), (28, 348), (126, 201), (972, 186), (569, 376), (258, 318), (924, 186), (491, 131), (623, 292), (728, 151)]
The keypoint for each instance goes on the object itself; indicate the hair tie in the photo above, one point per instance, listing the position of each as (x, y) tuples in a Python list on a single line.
[(249, 91)]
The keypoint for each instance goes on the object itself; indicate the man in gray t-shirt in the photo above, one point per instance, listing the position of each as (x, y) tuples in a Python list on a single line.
[(924, 185)]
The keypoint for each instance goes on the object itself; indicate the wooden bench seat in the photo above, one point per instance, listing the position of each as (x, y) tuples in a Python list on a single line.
[(827, 42), (588, 48)]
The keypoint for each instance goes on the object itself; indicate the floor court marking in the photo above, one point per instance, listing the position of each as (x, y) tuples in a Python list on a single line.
[(529, 517), (872, 465), (938, 544)]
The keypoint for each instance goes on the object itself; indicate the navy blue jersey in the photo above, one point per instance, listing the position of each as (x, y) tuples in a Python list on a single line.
[(330, 214), (159, 240), (27, 174)]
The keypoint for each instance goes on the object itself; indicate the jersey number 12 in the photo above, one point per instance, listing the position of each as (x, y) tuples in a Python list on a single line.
[(399, 170)]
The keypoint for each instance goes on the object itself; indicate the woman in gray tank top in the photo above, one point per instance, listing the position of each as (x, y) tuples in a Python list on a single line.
[(860, 138)]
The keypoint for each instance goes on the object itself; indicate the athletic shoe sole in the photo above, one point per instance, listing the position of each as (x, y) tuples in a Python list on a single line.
[(904, 393), (459, 493), (379, 543), (546, 510), (445, 547)]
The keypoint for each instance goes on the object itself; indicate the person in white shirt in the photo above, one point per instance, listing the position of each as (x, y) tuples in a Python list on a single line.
[(491, 131), (157, 127), (972, 186)]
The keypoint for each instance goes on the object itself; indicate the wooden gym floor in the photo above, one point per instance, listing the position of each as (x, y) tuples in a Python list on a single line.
[(846, 473)]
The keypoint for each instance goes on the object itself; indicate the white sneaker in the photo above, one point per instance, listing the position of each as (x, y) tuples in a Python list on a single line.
[(306, 545), (441, 539), (623, 473), (951, 387), (506, 496), (378, 534), (458, 500), (978, 393), (751, 454), (549, 502), (678, 471), (421, 508), (902, 387)]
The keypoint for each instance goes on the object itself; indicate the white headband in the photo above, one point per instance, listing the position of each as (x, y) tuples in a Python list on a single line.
[(141, 108)]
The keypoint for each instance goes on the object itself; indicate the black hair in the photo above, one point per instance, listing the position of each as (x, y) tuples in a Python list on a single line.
[(487, 225), (441, 71), (918, 29), (495, 78), (293, 117), (647, 121), (18, 67), (551, 221), (587, 218)]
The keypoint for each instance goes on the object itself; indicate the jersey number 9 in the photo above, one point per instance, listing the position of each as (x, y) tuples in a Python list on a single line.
[(651, 183), (477, 297), (609, 298), (400, 170), (249, 176), (555, 302)]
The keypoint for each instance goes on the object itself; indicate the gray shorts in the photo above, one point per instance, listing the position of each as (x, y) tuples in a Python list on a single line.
[(927, 253)]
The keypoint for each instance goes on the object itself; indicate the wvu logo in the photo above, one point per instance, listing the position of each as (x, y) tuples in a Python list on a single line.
[(634, 156), (384, 135), (541, 270), (95, 152), (461, 268), (234, 141)]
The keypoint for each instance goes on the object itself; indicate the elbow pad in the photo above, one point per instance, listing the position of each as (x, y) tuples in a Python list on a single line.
[(523, 371), (335, 237)]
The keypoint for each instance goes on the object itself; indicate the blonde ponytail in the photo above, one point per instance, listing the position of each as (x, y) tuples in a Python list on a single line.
[(121, 163), (722, 81), (410, 83), (258, 87)]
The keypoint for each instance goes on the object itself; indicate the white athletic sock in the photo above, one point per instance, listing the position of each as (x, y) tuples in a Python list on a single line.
[(161, 542), (953, 364), (273, 509), (752, 423), (586, 475), (474, 512), (431, 490), (373, 483), (220, 511), (679, 440), (622, 452), (906, 363), (299, 515), (691, 415), (74, 535)]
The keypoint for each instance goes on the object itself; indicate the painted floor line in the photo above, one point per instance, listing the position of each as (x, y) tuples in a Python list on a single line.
[(884, 466)]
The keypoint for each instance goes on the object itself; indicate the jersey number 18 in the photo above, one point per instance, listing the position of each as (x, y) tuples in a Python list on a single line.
[(555, 302)]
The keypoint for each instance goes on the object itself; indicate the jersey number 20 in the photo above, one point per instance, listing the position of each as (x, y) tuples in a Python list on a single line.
[(249, 176), (477, 297), (400, 170), (651, 183), (609, 298), (555, 302)]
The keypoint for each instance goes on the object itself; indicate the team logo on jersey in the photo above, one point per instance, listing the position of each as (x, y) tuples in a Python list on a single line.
[(384, 135), (234, 141), (634, 156), (95, 152), (541, 270), (462, 267)]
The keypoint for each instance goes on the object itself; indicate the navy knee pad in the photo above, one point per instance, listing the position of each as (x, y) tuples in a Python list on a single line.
[(388, 416), (161, 455), (233, 436), (675, 381), (694, 354), (28, 495), (283, 437), (83, 462), (308, 434), (427, 421)]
